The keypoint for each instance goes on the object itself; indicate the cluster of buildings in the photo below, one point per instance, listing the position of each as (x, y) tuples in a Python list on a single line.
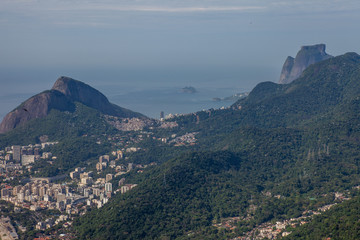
[(271, 230), (188, 138), (104, 162), (129, 124), (71, 198), (50, 222), (14, 158), (119, 169), (96, 193), (42, 194), (99, 191)]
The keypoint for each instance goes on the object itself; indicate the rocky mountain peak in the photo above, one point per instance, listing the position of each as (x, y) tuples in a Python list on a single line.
[(80, 92), (37, 106), (63, 95), (318, 47), (293, 67)]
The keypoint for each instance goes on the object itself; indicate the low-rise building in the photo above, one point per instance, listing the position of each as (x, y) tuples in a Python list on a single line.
[(27, 159)]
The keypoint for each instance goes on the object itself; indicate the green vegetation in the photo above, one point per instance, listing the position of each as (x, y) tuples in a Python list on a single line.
[(77, 133), (59, 126), (24, 218), (295, 141), (184, 195), (76, 152), (282, 150), (340, 222)]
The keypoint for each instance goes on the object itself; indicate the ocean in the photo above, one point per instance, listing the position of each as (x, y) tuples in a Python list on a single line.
[(149, 102), (149, 91), (172, 100)]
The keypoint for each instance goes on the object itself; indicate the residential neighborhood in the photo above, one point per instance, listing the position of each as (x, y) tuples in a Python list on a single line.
[(70, 195)]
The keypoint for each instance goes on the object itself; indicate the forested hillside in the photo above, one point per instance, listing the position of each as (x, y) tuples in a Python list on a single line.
[(283, 150)]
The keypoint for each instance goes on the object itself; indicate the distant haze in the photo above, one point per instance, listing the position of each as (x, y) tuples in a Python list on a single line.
[(128, 46)]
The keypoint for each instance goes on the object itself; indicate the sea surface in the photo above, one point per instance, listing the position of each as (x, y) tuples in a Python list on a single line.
[(149, 102), (171, 100), (148, 91)]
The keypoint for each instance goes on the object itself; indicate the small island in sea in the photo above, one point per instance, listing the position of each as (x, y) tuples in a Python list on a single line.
[(188, 89)]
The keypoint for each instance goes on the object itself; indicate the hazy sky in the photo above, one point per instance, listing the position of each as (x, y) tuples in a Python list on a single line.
[(127, 42)]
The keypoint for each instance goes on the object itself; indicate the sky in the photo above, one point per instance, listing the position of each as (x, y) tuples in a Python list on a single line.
[(122, 45)]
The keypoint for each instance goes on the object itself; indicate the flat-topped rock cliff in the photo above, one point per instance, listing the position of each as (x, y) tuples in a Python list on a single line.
[(293, 67)]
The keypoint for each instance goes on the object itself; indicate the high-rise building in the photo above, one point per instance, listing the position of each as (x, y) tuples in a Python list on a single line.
[(108, 187), (21, 196), (96, 191), (16, 190), (42, 191), (99, 166), (35, 190), (120, 154), (162, 115), (86, 192), (109, 176), (16, 153), (5, 192)]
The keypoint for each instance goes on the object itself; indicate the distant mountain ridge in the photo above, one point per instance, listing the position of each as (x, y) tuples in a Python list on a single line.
[(63, 95), (293, 67), (282, 150), (321, 87), (283, 144)]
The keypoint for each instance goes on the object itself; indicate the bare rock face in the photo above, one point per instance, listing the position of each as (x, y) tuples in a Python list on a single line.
[(65, 92), (80, 92), (286, 70), (37, 106), (293, 67)]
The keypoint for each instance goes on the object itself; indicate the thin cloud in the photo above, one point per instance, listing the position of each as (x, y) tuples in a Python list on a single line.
[(169, 9), (97, 13), (99, 16), (181, 9), (316, 6)]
